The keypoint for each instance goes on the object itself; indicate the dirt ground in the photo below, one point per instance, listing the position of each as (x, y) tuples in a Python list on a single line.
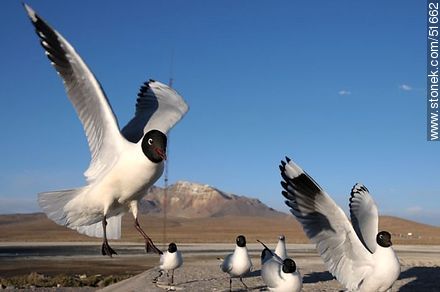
[(200, 272), (420, 272)]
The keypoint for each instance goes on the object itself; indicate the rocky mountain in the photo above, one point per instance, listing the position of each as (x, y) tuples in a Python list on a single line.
[(192, 200)]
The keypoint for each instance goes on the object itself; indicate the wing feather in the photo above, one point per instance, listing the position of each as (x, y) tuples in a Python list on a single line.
[(271, 273), (158, 107), (86, 95), (364, 216), (326, 225), (226, 265)]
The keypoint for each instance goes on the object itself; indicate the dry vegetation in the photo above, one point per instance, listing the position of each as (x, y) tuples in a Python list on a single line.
[(34, 280), (36, 227)]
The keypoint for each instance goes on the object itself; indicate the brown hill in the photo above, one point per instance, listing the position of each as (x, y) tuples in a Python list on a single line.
[(201, 213), (191, 200), (36, 227)]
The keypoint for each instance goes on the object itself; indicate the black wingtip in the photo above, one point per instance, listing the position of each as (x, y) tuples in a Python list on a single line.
[(144, 89), (265, 247), (288, 195), (284, 185), (365, 188), (288, 159), (358, 187), (291, 204), (281, 169), (151, 248)]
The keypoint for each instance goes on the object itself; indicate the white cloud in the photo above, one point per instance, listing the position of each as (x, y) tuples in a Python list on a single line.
[(405, 87), (344, 92), (414, 210)]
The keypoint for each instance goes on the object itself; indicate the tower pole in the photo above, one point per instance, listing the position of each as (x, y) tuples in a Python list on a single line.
[(167, 163)]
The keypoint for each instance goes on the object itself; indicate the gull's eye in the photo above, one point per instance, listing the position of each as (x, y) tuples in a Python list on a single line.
[(150, 141), (381, 236)]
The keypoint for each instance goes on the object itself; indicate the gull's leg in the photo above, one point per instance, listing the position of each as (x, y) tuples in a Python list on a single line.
[(156, 279), (241, 280), (172, 277), (106, 249), (149, 245), (230, 283)]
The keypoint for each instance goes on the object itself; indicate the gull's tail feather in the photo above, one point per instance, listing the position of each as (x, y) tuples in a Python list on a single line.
[(53, 204), (95, 230), (56, 206)]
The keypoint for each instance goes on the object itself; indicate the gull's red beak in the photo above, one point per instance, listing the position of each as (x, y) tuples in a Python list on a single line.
[(161, 153)]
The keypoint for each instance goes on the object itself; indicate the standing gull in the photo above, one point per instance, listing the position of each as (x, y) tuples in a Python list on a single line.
[(239, 263), (279, 275), (124, 164), (171, 260), (360, 257), (280, 249)]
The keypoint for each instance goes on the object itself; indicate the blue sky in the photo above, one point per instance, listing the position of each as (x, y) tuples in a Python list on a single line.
[(338, 86)]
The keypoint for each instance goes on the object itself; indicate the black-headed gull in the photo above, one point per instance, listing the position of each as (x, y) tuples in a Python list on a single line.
[(279, 275), (238, 263), (124, 164), (280, 249), (360, 257), (171, 260)]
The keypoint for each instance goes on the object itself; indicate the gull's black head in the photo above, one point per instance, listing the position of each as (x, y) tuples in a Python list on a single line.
[(172, 247), (241, 241), (383, 239), (154, 146), (281, 237), (289, 266)]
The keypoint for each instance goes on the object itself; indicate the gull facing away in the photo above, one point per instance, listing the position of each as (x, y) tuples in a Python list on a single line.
[(360, 257), (280, 249), (279, 275), (171, 260), (124, 164), (238, 263)]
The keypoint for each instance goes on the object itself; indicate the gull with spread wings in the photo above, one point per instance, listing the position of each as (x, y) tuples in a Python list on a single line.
[(124, 163), (360, 257)]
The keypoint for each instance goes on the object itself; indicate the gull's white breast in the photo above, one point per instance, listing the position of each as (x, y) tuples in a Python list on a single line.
[(171, 261), (241, 262), (385, 272), (127, 180)]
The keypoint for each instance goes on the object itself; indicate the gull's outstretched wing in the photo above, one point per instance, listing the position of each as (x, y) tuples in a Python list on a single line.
[(86, 95), (364, 216), (326, 225), (158, 107)]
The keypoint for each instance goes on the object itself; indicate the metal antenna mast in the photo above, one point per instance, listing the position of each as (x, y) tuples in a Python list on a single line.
[(167, 163)]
